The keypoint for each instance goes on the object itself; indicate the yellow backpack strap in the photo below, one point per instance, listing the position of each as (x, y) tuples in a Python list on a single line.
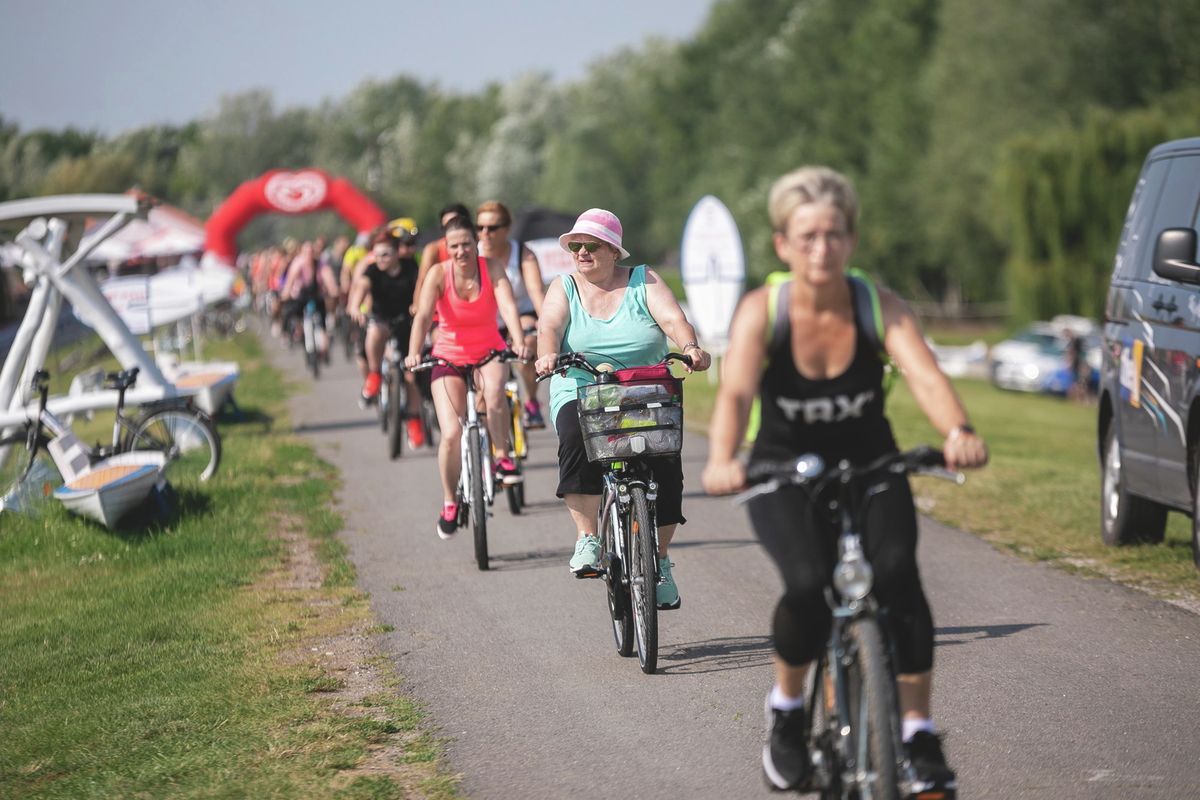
[(775, 333), (778, 294), (868, 309)]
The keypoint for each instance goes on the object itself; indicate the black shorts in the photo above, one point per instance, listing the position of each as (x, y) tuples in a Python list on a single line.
[(577, 475), (295, 308), (504, 328)]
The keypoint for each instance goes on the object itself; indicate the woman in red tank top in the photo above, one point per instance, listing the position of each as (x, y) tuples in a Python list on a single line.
[(467, 291)]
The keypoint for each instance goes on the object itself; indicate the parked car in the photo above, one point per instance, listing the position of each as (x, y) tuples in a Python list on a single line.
[(1149, 403), (1035, 360)]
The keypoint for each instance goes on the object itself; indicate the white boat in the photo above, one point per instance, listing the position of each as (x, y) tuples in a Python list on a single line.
[(111, 488), (209, 382)]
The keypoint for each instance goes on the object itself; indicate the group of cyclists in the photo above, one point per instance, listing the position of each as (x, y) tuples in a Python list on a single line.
[(808, 361)]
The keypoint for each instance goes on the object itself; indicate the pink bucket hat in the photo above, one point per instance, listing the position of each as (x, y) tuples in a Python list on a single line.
[(597, 222)]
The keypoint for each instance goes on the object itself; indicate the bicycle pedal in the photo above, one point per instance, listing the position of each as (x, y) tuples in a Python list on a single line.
[(589, 573)]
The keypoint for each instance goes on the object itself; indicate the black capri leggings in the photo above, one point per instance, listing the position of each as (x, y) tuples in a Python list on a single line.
[(804, 547), (577, 475)]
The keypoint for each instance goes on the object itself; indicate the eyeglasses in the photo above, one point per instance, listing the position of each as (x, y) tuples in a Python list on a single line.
[(490, 228), (591, 247)]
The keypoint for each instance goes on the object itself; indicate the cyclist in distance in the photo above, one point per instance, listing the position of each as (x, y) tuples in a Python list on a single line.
[(389, 283), (821, 389), (467, 291), (350, 261), (624, 317), (307, 280), (493, 221)]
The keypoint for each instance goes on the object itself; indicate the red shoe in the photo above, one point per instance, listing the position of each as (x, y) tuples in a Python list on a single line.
[(416, 434), (370, 389)]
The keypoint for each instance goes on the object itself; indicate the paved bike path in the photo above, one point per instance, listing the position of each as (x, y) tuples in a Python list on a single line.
[(1047, 684)]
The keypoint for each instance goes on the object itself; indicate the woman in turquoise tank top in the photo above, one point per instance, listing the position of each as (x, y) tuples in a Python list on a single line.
[(622, 317)]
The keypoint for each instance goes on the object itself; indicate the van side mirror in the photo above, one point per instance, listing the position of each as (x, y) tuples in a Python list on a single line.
[(1175, 255)]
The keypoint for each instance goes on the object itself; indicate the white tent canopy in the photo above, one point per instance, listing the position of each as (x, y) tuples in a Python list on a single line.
[(165, 231)]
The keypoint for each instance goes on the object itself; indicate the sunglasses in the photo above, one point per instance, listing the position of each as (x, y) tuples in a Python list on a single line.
[(591, 247), (490, 228)]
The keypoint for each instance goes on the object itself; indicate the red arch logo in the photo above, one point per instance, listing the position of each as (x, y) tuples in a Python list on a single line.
[(286, 192)]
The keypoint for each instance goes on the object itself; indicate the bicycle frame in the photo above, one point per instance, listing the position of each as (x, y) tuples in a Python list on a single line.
[(310, 328), (517, 432), (471, 422), (619, 478), (843, 734)]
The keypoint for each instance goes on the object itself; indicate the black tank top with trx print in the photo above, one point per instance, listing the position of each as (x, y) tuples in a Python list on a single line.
[(836, 418)]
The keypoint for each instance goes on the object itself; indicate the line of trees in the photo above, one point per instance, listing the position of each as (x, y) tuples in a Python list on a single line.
[(993, 145)]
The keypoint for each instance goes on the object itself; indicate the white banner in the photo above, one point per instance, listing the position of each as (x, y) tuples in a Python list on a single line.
[(553, 260), (714, 270)]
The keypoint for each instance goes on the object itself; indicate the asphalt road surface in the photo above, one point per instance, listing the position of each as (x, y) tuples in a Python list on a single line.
[(1047, 685)]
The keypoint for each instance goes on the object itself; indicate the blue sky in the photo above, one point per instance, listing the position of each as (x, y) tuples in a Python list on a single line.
[(113, 65)]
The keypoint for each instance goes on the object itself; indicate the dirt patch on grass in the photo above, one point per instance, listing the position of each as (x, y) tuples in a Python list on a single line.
[(334, 642)]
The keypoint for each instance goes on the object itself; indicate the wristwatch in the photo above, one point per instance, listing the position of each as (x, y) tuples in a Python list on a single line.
[(959, 430)]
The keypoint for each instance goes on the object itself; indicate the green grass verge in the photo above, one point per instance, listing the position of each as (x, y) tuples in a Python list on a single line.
[(1039, 496), (172, 660)]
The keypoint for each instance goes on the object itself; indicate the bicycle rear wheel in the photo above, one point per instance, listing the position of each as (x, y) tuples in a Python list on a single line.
[(516, 434), (395, 413), (187, 436), (873, 720), (643, 579), (614, 579), (478, 504)]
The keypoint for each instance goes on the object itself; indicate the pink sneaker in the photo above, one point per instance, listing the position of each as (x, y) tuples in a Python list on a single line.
[(447, 524), (507, 471)]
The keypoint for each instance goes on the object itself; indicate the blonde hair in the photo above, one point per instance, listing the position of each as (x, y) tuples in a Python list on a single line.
[(495, 207), (812, 185)]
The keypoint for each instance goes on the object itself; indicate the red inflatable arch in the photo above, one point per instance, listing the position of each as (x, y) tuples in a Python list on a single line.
[(286, 192)]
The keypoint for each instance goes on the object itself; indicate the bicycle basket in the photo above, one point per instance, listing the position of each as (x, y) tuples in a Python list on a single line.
[(635, 417)]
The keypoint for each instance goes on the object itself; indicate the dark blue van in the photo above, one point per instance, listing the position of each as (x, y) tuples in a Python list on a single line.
[(1149, 420)]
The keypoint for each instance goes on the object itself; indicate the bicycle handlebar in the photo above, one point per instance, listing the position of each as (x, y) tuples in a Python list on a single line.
[(810, 469), (575, 359), (434, 361)]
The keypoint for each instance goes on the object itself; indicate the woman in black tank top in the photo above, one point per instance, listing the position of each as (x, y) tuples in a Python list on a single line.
[(820, 384)]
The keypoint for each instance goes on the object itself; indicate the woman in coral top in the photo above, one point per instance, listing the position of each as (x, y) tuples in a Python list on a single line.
[(468, 291)]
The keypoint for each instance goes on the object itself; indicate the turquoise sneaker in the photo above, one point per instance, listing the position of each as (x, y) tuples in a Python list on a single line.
[(586, 561), (666, 594)]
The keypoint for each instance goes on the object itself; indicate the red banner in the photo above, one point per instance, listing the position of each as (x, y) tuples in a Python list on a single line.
[(286, 192)]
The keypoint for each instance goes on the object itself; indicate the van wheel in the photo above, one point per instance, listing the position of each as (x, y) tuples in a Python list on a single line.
[(1126, 518)]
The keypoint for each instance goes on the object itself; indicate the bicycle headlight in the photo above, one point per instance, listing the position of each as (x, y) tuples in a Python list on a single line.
[(853, 579)]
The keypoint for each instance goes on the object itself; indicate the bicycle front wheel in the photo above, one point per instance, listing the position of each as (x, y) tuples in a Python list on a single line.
[(872, 713), (395, 413), (478, 505), (614, 579), (643, 579), (311, 354), (187, 437)]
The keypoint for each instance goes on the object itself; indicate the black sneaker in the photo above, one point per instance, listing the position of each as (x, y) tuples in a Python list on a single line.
[(933, 778), (785, 760)]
